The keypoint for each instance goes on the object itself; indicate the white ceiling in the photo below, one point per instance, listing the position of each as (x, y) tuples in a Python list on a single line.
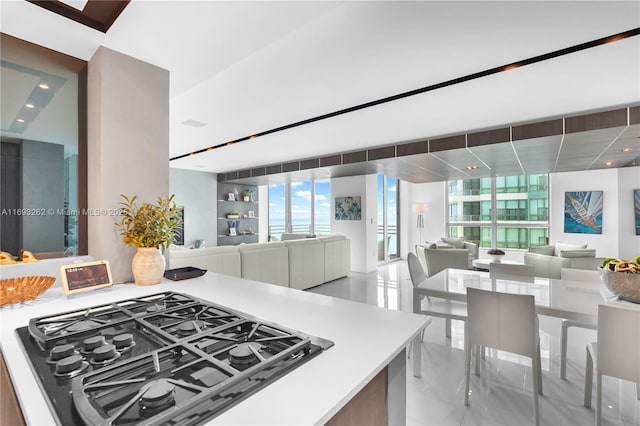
[(247, 67)]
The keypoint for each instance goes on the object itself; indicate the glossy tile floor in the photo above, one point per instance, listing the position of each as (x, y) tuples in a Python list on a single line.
[(501, 395)]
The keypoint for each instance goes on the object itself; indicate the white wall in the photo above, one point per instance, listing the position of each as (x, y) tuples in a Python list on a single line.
[(197, 192), (361, 233), (628, 241)]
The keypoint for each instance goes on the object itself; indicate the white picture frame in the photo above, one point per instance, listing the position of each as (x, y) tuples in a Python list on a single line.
[(85, 276), (251, 213), (231, 196)]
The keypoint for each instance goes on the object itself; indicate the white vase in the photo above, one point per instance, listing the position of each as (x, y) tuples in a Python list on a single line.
[(148, 266)]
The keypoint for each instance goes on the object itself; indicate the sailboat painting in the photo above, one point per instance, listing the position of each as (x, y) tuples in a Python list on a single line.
[(583, 212), (636, 203)]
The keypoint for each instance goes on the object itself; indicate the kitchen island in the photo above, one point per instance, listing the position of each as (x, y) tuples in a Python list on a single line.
[(369, 343)]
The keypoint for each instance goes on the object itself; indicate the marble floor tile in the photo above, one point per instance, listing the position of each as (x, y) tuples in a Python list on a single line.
[(502, 394)]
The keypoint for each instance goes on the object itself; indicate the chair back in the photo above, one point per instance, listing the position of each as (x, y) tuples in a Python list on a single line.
[(619, 342), (510, 271), (440, 259), (415, 270), (502, 321), (580, 275)]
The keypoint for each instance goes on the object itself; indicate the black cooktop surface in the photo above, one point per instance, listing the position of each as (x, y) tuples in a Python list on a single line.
[(167, 358)]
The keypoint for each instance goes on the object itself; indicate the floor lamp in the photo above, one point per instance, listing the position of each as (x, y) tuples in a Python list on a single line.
[(421, 208)]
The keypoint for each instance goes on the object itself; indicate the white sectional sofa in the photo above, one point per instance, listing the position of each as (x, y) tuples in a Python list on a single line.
[(297, 263)]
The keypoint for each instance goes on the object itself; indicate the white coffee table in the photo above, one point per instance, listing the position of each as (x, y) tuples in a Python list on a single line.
[(483, 264)]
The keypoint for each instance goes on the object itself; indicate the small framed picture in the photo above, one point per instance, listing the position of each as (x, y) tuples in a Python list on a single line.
[(251, 213), (231, 197), (232, 232)]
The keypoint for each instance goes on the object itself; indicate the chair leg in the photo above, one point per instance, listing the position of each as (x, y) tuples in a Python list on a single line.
[(563, 350), (588, 380), (467, 371), (447, 327), (537, 385), (598, 398), (638, 391), (539, 370), (423, 330)]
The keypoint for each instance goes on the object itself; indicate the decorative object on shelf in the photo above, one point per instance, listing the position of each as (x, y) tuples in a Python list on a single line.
[(150, 228), (235, 194), (21, 289), (348, 208), (583, 212), (233, 215), (231, 197), (622, 278), (496, 254), (232, 228), (251, 214), (247, 196)]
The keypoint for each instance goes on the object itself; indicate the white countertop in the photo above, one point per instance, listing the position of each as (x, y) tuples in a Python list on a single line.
[(366, 339)]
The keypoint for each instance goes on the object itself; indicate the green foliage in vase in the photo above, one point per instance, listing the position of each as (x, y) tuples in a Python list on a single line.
[(148, 225)]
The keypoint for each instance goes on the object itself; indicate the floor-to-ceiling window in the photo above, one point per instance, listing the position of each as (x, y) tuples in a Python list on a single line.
[(510, 212), (300, 207), (387, 201)]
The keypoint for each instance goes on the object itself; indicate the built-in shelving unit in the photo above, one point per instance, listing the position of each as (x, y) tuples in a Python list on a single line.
[(247, 222)]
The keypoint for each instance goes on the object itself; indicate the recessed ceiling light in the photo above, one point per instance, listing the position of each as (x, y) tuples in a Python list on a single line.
[(608, 163), (20, 120), (471, 167), (43, 86), (627, 149), (194, 123), (30, 105)]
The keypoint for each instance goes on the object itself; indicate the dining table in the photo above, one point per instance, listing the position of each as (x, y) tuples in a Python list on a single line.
[(565, 299)]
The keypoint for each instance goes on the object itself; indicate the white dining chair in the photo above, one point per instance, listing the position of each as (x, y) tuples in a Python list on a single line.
[(512, 271), (616, 353), (447, 309), (417, 276), (582, 276), (506, 322)]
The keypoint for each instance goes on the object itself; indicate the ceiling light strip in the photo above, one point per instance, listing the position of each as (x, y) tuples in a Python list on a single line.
[(557, 53)]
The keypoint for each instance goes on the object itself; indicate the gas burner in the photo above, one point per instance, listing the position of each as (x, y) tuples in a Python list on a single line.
[(245, 354), (123, 342), (70, 366), (188, 328), (83, 325), (91, 343), (160, 394), (156, 307), (59, 352), (105, 354)]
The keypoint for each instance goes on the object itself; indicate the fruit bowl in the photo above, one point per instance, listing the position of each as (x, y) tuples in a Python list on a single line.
[(625, 285), (21, 289)]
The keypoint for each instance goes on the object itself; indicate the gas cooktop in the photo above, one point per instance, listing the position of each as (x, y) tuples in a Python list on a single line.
[(168, 358)]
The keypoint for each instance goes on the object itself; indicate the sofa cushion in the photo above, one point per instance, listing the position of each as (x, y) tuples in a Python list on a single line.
[(567, 246), (546, 250), (573, 254), (455, 242)]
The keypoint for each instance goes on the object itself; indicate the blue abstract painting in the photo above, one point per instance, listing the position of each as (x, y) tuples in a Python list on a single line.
[(348, 208), (636, 203), (583, 212)]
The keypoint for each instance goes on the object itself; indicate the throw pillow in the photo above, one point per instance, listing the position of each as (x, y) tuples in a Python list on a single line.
[(546, 250), (567, 246), (455, 242), (578, 253)]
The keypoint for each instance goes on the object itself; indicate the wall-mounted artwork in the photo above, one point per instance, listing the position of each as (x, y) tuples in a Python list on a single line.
[(348, 208), (636, 203), (583, 212), (178, 232)]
